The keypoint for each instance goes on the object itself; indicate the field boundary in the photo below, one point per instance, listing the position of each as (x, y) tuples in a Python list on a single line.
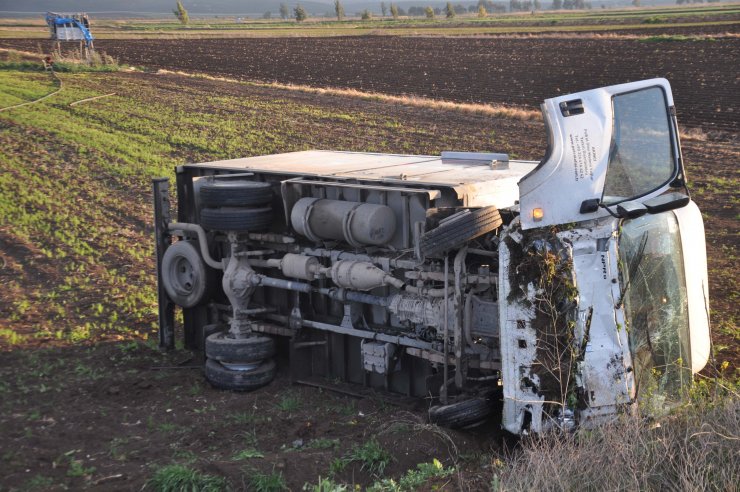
[(511, 112)]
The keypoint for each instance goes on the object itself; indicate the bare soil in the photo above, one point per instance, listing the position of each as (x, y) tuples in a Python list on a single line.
[(514, 71), (122, 410)]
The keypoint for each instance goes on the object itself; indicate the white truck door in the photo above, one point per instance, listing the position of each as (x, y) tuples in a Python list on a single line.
[(612, 144)]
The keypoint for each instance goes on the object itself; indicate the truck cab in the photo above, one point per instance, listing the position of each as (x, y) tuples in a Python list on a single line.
[(571, 289)]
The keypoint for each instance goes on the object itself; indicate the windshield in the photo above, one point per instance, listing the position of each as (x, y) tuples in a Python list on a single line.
[(656, 306), (640, 155)]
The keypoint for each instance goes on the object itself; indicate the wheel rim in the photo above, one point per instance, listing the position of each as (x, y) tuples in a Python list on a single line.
[(234, 366), (182, 275)]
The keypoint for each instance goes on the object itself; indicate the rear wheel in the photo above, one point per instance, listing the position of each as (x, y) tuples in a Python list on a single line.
[(222, 377), (221, 347), (235, 193), (236, 218)]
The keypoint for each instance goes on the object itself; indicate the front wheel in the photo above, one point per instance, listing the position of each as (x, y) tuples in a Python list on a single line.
[(462, 414)]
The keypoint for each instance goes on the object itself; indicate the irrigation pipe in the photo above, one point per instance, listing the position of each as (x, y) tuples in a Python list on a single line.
[(55, 77), (91, 99)]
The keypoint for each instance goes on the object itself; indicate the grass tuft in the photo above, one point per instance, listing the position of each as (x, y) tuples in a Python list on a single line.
[(326, 485), (272, 482), (246, 454), (372, 457), (178, 478), (413, 479), (289, 404)]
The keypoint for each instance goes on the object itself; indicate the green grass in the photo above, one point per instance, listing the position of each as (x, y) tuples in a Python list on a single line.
[(77, 469), (246, 454), (322, 443), (21, 66), (671, 38), (289, 403), (180, 478), (39, 482), (267, 482), (413, 480), (72, 67), (371, 457), (326, 485)]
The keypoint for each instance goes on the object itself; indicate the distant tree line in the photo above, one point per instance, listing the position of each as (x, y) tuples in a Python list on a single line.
[(572, 4), (482, 8)]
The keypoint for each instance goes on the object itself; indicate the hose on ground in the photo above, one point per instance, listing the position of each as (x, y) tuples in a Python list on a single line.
[(56, 79)]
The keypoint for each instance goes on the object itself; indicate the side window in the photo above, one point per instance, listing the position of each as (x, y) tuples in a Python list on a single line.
[(640, 156)]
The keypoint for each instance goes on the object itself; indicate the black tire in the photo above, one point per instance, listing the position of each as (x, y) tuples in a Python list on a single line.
[(221, 377), (184, 274), (459, 231), (239, 350), (236, 219), (235, 193), (463, 414)]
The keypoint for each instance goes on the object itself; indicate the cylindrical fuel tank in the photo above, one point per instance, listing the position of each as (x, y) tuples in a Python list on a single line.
[(357, 223)]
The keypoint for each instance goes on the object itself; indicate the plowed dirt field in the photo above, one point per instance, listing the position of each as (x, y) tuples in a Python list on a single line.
[(516, 71)]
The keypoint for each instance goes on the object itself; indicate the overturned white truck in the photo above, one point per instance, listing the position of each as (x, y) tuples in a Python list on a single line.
[(575, 286)]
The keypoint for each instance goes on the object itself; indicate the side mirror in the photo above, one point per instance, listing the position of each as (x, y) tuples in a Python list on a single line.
[(631, 210), (669, 201)]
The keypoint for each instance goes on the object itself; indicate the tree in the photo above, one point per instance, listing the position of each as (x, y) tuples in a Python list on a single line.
[(557, 4), (267, 15), (181, 14), (394, 11), (449, 10), (339, 9), (429, 12), (383, 8), (482, 11), (300, 13), (366, 15), (636, 3), (537, 5), (284, 12)]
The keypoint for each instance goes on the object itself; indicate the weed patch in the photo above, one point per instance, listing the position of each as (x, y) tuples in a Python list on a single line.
[(371, 456), (267, 482), (178, 478)]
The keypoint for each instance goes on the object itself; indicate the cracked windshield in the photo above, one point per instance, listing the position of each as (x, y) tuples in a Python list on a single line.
[(654, 291)]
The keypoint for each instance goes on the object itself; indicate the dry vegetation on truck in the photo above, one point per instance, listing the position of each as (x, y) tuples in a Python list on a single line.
[(86, 401)]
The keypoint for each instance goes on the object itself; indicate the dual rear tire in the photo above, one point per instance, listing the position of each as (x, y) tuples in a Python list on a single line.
[(235, 205), (239, 205), (239, 364)]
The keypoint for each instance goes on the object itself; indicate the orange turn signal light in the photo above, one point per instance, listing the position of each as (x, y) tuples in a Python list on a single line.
[(537, 214)]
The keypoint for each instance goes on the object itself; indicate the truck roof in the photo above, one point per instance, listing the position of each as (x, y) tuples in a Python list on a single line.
[(480, 179)]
